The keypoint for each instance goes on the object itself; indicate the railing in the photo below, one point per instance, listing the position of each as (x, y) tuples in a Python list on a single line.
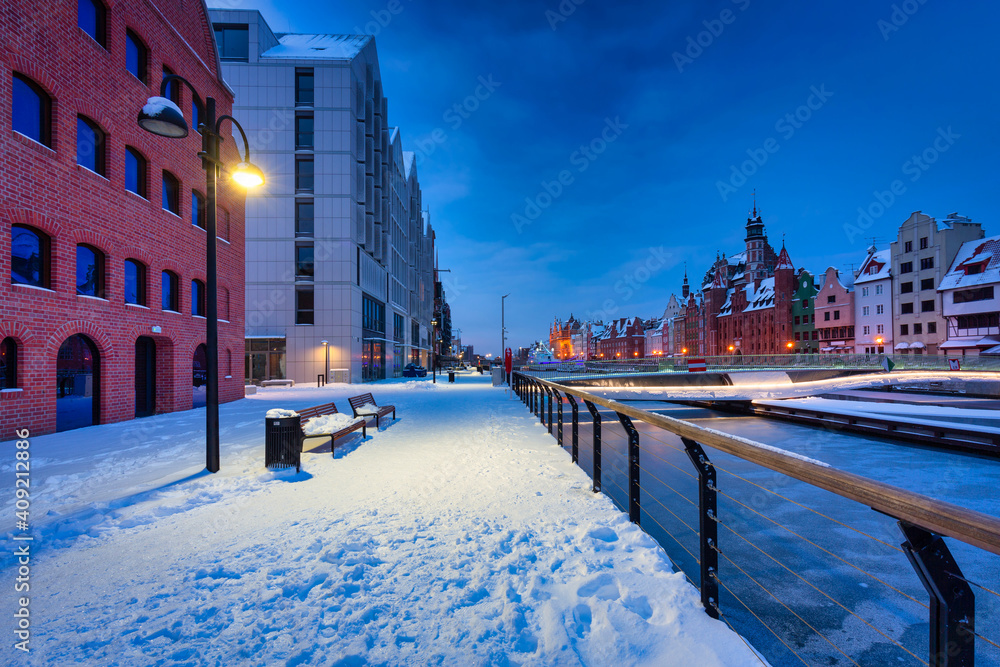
[(924, 521)]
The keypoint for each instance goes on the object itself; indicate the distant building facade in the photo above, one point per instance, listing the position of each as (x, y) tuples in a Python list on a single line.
[(806, 338), (873, 304), (970, 296), (835, 314)]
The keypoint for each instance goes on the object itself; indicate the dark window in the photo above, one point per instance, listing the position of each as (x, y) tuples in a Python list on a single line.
[(918, 328), (304, 268), (927, 263), (931, 327), (135, 172), (304, 175), (304, 131), (197, 113), (136, 57), (905, 288), (805, 303), (906, 267), (89, 271), (904, 330), (90, 146), (173, 91), (170, 292), (973, 269), (826, 316), (927, 306), (908, 246), (171, 193), (199, 214), (304, 87), (927, 283), (832, 298), (797, 319), (198, 298), (304, 306), (923, 242), (836, 314), (304, 211), (906, 308), (32, 110), (372, 315), (815, 335), (398, 328), (978, 294), (233, 41), (29, 256), (135, 282), (8, 364), (91, 16)]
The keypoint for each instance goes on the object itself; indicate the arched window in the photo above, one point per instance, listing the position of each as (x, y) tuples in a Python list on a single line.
[(136, 172), (29, 256), (199, 213), (8, 364), (197, 113), (92, 18), (89, 271), (198, 298), (136, 57), (173, 92), (32, 110), (90, 140), (171, 193), (135, 282), (171, 296)]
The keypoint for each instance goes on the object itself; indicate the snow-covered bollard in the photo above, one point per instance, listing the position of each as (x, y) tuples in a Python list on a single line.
[(282, 439)]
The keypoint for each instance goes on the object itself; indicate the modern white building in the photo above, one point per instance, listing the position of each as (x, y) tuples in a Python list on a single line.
[(921, 254), (339, 253), (873, 304), (970, 296)]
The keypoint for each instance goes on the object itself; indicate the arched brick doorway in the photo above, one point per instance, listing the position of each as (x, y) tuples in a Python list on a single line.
[(78, 384)]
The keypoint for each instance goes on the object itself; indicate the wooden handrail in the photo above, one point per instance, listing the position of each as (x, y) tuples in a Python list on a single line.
[(969, 526)]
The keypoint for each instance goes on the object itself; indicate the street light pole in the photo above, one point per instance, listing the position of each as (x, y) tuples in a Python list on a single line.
[(503, 334), (326, 369)]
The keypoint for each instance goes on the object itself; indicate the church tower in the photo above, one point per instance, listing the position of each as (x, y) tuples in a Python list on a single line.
[(756, 240)]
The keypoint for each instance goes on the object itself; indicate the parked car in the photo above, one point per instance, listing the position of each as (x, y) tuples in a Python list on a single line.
[(414, 371)]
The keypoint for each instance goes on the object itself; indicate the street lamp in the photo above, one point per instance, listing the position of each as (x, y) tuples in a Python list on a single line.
[(503, 336), (162, 117), (434, 326), (326, 369)]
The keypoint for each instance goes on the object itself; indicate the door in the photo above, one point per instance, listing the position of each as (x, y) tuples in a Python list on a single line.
[(145, 376)]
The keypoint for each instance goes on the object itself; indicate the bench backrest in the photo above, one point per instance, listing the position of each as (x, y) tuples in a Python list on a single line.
[(317, 411), (357, 401)]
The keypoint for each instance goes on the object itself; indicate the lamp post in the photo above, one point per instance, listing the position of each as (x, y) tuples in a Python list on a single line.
[(434, 330), (503, 334), (164, 118), (326, 369)]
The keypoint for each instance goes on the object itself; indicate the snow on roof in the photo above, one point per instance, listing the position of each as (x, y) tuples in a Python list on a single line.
[(982, 255), (762, 297), (738, 258), (870, 269), (322, 47)]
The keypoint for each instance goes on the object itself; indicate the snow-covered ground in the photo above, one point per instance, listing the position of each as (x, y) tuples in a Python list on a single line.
[(459, 534), (987, 421)]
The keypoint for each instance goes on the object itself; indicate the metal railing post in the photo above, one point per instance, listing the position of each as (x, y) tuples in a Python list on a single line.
[(576, 427), (952, 602), (708, 529), (559, 419), (549, 424), (597, 444), (633, 468)]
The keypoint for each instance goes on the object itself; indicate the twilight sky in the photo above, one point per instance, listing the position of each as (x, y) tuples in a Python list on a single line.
[(597, 147)]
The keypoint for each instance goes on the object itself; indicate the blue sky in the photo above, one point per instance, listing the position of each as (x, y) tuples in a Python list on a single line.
[(819, 106)]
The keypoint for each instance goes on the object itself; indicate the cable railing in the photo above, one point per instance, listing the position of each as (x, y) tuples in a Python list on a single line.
[(770, 565)]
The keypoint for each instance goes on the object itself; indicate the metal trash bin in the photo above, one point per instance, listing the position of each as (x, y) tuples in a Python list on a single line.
[(283, 442), (451, 376)]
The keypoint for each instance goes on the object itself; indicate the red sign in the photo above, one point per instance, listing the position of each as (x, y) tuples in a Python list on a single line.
[(696, 365), (508, 360), (954, 365)]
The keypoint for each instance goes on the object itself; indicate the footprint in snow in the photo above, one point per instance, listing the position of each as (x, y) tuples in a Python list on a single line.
[(603, 587)]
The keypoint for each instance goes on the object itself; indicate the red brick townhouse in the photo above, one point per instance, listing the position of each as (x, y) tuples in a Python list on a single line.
[(102, 223)]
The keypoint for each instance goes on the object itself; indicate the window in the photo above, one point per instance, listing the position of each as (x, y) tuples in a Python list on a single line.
[(864, 291), (864, 311), (304, 87), (198, 298), (304, 268), (136, 57), (32, 111), (91, 16), (304, 132), (196, 114), (836, 314), (199, 213), (826, 316), (304, 218), (797, 319), (923, 243), (89, 271), (908, 246), (90, 146), (878, 290), (973, 269), (927, 263), (904, 330), (805, 303), (879, 309), (832, 298), (233, 41), (906, 308), (135, 282), (927, 306), (173, 92), (135, 172), (879, 328), (927, 283), (171, 297), (398, 328), (918, 328), (372, 315), (905, 288), (932, 327), (867, 330), (906, 267), (304, 175), (304, 306), (29, 256), (8, 364), (978, 294), (171, 193), (812, 318), (815, 335), (797, 335)]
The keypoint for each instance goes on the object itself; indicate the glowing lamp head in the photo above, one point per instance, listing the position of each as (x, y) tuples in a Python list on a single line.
[(789, 345), (248, 175), (731, 348)]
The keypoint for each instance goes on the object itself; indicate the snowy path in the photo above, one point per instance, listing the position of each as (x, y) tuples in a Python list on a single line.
[(459, 535)]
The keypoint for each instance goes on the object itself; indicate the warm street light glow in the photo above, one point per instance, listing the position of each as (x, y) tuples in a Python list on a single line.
[(789, 345), (731, 348), (879, 340), (684, 350), (248, 175)]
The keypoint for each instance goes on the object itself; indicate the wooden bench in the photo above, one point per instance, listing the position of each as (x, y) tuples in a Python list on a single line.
[(358, 401), (278, 383), (327, 409)]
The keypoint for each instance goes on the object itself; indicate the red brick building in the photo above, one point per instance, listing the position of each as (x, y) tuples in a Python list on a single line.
[(625, 338), (102, 222)]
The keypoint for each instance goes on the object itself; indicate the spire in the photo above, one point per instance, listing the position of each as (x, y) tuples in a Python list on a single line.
[(755, 202), (685, 288), (784, 261)]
